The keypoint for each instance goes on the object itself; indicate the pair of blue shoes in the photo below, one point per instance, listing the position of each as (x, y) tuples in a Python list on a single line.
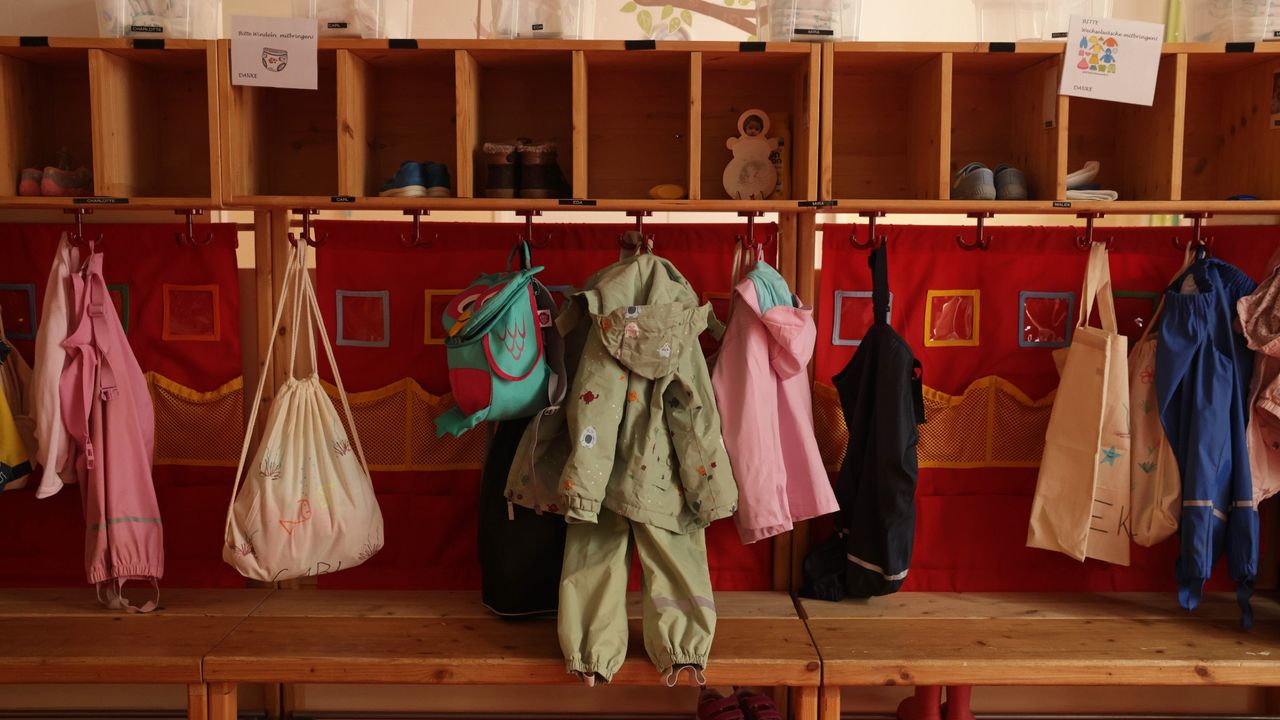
[(415, 179), (976, 181)]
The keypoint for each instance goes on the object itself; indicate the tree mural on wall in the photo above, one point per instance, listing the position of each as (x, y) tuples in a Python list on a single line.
[(665, 18)]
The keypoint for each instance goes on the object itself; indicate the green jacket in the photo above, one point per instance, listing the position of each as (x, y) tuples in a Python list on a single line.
[(639, 432)]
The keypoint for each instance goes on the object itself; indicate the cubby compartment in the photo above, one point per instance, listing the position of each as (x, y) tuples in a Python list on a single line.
[(1133, 144), (505, 95), (638, 122), (1232, 135), (1005, 110), (45, 111), (152, 123), (887, 126), (393, 106), (283, 141), (782, 83)]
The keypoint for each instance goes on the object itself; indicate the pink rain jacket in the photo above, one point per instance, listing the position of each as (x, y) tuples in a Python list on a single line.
[(766, 409), (107, 411), (1260, 319)]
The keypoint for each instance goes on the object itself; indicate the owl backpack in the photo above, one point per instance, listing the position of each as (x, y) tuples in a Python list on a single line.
[(506, 359)]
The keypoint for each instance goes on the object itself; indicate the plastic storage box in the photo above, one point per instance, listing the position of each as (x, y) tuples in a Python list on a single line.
[(543, 19), (1058, 15), (1229, 20), (159, 18), (1010, 20), (359, 18), (812, 20)]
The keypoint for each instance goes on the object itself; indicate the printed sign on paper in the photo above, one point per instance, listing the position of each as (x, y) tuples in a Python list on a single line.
[(1116, 60), (273, 52)]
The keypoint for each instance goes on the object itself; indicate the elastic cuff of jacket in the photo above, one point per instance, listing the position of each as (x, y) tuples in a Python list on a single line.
[(749, 535), (580, 509), (601, 669), (708, 516), (668, 660)]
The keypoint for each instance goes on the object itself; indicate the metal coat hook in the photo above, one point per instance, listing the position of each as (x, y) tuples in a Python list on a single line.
[(980, 241), (528, 216), (750, 239), (1198, 240), (77, 235), (1084, 242), (416, 240), (638, 216), (189, 238), (873, 241), (306, 235)]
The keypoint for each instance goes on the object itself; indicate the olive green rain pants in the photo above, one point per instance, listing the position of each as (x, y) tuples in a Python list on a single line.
[(679, 613)]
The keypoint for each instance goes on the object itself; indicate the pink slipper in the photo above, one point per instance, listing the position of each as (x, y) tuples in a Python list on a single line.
[(758, 707), (711, 706)]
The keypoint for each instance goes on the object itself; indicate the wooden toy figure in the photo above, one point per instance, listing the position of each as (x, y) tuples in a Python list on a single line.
[(750, 175)]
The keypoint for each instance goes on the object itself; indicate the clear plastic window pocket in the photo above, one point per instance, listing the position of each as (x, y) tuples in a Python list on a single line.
[(1046, 319), (364, 318), (1134, 309), (18, 310), (854, 316), (191, 313), (434, 303), (952, 318), (120, 299)]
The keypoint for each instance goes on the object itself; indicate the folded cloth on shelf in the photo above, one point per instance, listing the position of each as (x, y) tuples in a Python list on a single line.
[(1106, 195)]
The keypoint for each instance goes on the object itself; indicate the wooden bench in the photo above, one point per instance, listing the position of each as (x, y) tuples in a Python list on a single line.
[(450, 638), (66, 636), (1040, 639)]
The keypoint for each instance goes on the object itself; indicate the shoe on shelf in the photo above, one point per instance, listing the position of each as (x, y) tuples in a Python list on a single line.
[(407, 182), (1011, 183), (540, 175), (437, 179), (502, 168), (975, 181), (29, 182), (64, 182)]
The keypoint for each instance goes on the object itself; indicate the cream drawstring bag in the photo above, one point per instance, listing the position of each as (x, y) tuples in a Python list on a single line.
[(308, 506)]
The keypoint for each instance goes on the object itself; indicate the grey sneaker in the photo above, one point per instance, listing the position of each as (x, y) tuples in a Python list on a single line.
[(975, 181), (1011, 184)]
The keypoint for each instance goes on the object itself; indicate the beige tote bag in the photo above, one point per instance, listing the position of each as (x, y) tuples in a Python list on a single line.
[(308, 506), (1082, 492), (1155, 501)]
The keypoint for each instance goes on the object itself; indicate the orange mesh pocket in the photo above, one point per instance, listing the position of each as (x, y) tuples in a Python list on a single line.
[(828, 420), (197, 428), (991, 424), (398, 432)]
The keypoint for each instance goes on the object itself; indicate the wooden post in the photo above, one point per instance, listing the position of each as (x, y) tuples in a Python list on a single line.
[(829, 706), (581, 181), (804, 703), (222, 701), (197, 701)]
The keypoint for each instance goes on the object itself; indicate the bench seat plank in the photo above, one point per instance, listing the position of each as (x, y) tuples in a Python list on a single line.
[(416, 604), (1139, 651), (66, 602), (448, 638), (1061, 606), (108, 648)]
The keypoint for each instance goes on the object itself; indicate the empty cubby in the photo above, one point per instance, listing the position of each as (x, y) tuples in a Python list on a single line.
[(638, 122), (1232, 132), (1133, 144), (152, 127), (45, 108), (393, 106), (887, 125), (1004, 110), (284, 141)]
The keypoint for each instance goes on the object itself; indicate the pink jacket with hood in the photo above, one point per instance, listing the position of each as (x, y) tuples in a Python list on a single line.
[(766, 408)]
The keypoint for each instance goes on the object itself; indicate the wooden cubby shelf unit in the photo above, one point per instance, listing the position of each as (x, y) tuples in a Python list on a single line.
[(1231, 144)]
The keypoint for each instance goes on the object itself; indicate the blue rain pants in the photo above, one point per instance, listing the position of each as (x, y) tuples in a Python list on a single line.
[(1203, 370)]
